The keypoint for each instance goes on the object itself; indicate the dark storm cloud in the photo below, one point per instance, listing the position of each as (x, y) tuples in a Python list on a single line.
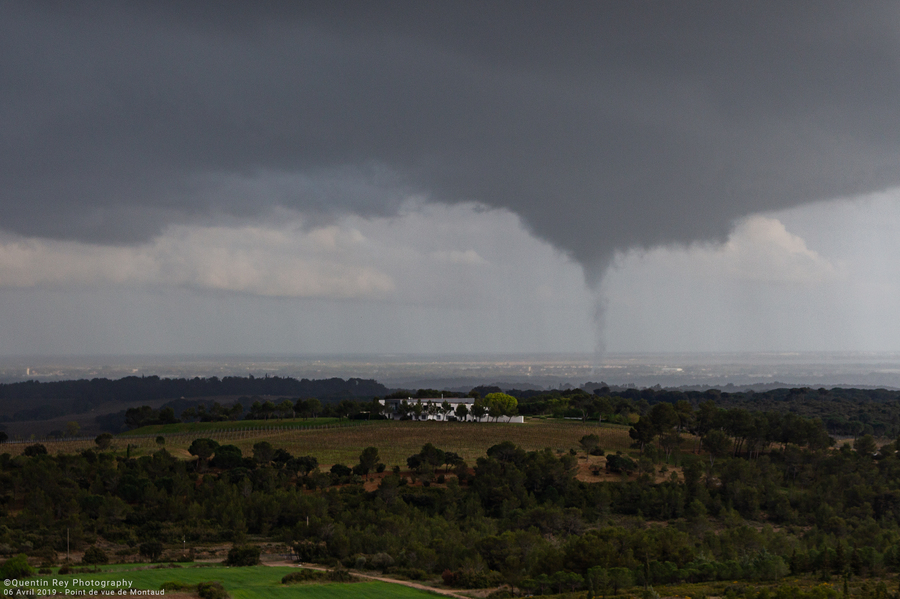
[(604, 125)]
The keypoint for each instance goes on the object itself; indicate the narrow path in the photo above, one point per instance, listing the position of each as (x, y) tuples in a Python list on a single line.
[(406, 583)]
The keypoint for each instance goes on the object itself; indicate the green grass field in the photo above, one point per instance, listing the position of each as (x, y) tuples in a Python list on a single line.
[(242, 583)]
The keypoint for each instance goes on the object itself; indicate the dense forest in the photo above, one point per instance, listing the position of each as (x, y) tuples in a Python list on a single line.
[(845, 412), (756, 500), (33, 400)]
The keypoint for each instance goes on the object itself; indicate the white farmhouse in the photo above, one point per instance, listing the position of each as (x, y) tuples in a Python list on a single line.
[(434, 408)]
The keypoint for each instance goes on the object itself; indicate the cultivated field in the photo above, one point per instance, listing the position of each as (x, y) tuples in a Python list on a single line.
[(396, 441), (231, 425)]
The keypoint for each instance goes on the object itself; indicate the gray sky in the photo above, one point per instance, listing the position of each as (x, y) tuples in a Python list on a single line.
[(442, 177)]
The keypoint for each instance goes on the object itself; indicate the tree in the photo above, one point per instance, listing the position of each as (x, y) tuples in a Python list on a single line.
[(461, 412), (865, 445), (308, 407), (642, 432), (35, 450), (285, 409), (685, 412), (403, 409), (567, 581), (376, 408), (620, 463), (246, 555), (151, 550), (167, 416), (739, 424), (478, 410), (268, 409), (227, 457), (597, 580), (717, 444), (137, 417), (282, 456), (620, 578), (706, 418), (203, 449), (94, 555), (582, 402), (505, 405), (367, 460), (589, 443), (432, 455), (304, 464), (103, 440), (263, 452), (670, 441), (453, 459), (664, 417), (341, 470), (72, 428), (602, 405)]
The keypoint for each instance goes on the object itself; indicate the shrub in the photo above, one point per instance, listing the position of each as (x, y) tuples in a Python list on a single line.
[(151, 550), (303, 575), (340, 576), (211, 590), (341, 470), (35, 450), (47, 555), (94, 555), (175, 585), (16, 567), (473, 579), (412, 573), (619, 463), (244, 555), (382, 561)]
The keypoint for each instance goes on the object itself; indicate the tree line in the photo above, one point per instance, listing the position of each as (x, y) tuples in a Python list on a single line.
[(494, 405), (59, 398)]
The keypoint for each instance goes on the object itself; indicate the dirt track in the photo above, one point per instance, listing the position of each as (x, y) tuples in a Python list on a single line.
[(405, 583)]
